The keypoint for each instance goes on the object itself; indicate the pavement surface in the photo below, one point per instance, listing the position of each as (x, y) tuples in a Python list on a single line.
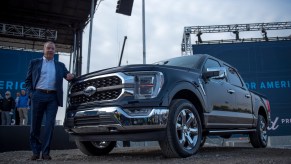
[(153, 154)]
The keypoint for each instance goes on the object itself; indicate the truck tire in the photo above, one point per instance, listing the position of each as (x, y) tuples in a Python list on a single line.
[(95, 148), (259, 138), (203, 140), (184, 130)]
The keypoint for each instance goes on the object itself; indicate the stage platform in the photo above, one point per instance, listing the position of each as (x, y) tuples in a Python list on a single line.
[(15, 138)]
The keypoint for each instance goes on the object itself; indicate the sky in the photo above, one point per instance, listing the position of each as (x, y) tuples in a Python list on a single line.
[(164, 26)]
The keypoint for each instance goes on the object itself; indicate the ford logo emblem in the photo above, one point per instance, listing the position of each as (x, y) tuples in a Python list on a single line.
[(89, 91)]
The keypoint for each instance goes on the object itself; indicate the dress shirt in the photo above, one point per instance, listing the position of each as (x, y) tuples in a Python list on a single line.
[(47, 79)]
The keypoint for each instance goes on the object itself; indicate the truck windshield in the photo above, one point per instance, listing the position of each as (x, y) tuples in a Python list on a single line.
[(191, 61)]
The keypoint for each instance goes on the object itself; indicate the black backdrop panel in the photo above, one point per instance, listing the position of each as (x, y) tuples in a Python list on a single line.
[(14, 138)]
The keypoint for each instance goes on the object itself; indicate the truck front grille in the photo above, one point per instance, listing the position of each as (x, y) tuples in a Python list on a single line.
[(99, 96), (102, 119), (98, 83), (107, 88)]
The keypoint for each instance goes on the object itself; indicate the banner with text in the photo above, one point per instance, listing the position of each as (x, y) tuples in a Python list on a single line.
[(13, 69), (265, 68)]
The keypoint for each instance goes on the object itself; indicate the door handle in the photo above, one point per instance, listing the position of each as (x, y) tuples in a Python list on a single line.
[(247, 96), (230, 91)]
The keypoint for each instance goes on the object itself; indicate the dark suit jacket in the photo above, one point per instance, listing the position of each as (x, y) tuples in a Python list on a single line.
[(33, 75)]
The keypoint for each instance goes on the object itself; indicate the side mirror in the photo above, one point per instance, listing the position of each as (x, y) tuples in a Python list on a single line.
[(215, 73)]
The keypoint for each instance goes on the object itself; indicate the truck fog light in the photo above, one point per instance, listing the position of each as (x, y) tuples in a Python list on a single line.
[(138, 112)]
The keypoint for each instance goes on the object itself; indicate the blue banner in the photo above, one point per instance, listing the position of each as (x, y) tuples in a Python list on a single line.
[(265, 68), (13, 69)]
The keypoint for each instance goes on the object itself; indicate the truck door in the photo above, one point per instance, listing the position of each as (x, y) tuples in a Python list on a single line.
[(219, 101), (243, 102)]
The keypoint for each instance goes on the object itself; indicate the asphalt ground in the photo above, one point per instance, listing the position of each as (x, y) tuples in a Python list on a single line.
[(153, 154)]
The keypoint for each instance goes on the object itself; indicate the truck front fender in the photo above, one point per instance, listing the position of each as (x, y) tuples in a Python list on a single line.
[(187, 90)]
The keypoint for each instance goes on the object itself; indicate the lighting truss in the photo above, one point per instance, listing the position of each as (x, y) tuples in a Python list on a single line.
[(186, 45), (19, 31)]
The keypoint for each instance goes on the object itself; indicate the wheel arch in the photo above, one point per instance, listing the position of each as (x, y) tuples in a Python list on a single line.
[(191, 93), (262, 111), (260, 107)]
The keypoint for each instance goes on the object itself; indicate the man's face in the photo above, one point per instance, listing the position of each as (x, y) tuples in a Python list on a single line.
[(49, 51), (23, 92)]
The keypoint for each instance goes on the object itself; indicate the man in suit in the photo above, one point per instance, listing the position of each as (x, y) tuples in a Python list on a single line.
[(44, 80)]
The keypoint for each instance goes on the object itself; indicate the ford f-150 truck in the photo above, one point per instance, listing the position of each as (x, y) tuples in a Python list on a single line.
[(177, 102)]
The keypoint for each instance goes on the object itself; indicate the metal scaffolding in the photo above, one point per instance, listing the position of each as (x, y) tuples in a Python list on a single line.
[(28, 32), (186, 46)]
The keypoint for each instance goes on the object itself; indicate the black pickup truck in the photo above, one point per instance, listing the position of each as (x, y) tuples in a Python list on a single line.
[(177, 102)]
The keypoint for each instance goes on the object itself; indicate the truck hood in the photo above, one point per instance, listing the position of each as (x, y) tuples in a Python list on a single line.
[(131, 68)]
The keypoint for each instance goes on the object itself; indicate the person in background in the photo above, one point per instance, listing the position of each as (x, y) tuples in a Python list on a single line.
[(16, 113), (7, 108), (22, 107), (45, 81)]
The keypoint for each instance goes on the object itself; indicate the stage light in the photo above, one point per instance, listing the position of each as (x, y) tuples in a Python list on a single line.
[(236, 35), (264, 33), (199, 37)]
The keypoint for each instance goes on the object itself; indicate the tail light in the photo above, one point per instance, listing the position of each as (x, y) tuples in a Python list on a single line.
[(268, 105)]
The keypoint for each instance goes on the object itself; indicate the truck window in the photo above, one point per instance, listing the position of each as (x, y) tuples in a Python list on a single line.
[(233, 77), (211, 63)]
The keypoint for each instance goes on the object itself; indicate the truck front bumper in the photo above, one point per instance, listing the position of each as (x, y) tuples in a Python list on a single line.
[(115, 119)]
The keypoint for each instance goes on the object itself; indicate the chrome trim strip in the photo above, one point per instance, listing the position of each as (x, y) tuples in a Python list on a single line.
[(99, 89), (121, 75), (156, 119), (202, 88), (231, 131)]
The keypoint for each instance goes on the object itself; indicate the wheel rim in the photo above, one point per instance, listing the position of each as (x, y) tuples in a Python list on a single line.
[(187, 129), (100, 144), (263, 130)]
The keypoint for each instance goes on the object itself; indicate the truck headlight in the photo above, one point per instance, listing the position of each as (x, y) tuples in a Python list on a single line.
[(147, 84)]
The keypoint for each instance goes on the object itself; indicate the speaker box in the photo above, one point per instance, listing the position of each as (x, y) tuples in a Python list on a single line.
[(124, 7)]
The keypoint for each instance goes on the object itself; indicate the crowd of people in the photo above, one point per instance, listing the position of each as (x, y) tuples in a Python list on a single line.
[(15, 111)]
